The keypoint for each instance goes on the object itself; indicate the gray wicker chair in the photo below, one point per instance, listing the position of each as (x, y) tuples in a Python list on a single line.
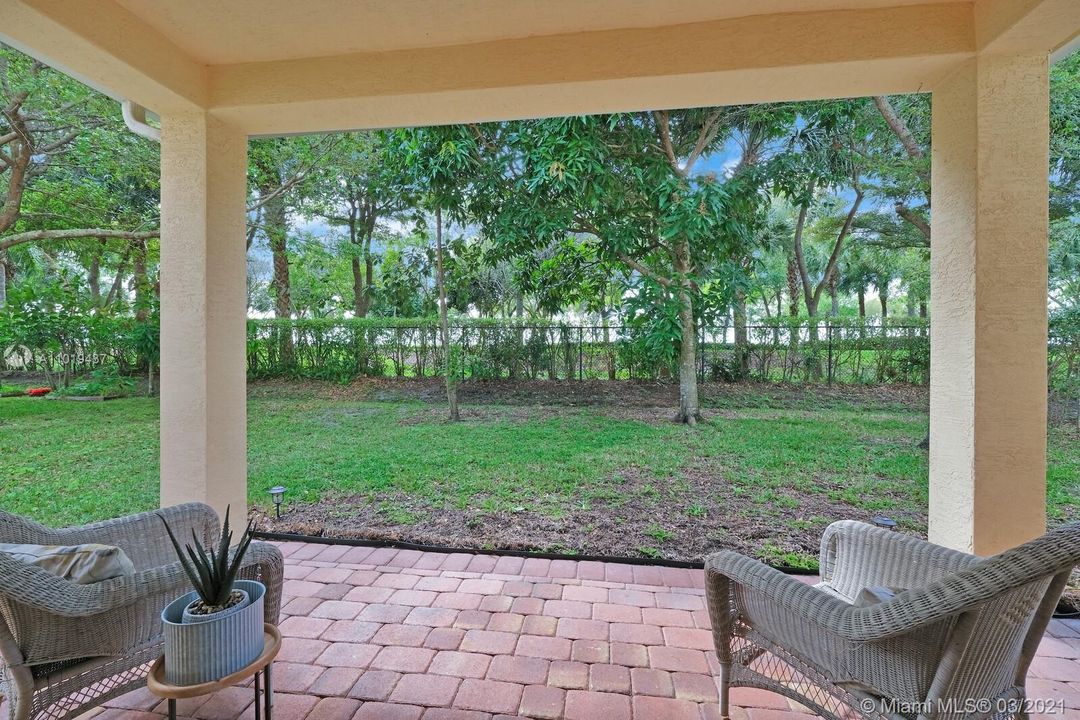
[(65, 648), (955, 643)]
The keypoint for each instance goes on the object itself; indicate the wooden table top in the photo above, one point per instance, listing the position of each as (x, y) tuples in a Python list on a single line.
[(156, 684)]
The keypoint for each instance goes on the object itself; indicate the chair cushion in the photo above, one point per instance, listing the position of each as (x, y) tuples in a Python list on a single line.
[(80, 564), (875, 594)]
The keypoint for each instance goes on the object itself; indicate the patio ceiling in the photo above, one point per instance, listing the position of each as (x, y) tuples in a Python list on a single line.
[(276, 66), (215, 33)]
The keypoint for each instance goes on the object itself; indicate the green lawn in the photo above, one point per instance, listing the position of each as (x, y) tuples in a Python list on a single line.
[(792, 468)]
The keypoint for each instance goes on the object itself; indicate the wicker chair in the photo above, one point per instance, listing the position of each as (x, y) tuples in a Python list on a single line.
[(956, 642), (65, 648)]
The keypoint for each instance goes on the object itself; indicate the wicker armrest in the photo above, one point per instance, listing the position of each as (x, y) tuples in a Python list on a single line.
[(855, 555), (142, 536), (726, 569)]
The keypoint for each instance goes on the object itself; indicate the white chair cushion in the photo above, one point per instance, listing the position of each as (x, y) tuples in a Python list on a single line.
[(80, 564)]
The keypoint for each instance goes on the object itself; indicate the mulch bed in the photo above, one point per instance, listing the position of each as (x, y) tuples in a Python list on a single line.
[(723, 519), (597, 393)]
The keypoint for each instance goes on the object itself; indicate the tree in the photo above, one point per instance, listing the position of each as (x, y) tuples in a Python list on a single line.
[(628, 186), (437, 166), (825, 154), (901, 159), (269, 163), (405, 272), (321, 281), (358, 187), (45, 116)]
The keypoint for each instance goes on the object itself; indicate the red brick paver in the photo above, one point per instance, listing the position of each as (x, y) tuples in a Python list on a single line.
[(385, 634)]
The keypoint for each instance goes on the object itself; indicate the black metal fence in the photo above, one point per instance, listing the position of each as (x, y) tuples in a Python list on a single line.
[(828, 352), (823, 353)]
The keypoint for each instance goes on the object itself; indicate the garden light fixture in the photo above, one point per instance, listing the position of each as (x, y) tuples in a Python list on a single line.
[(277, 494), (884, 522)]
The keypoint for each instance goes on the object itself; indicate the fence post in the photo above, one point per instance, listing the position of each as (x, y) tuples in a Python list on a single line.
[(829, 330)]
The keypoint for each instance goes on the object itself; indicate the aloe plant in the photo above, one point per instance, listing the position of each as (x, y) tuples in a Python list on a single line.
[(210, 569)]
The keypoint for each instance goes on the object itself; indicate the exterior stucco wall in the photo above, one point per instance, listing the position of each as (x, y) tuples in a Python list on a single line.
[(203, 312), (988, 295)]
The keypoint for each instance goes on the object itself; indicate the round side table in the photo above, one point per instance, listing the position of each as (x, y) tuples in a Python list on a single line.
[(156, 684)]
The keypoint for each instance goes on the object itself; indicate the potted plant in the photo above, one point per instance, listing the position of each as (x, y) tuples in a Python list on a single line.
[(218, 628)]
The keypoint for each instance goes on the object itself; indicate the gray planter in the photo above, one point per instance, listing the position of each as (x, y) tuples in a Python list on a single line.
[(208, 651), (188, 617)]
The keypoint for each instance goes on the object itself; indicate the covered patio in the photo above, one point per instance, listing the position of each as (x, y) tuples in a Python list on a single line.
[(441, 636), (384, 634)]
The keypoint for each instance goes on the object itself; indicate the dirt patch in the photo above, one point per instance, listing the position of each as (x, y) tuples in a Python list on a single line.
[(649, 394), (702, 513)]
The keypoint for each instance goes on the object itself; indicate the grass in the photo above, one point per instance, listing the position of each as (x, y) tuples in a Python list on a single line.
[(76, 462), (8, 389)]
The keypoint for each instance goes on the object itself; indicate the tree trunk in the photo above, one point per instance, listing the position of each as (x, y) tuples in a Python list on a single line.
[(923, 310), (361, 230), (3, 279), (358, 287), (359, 304), (93, 275), (276, 227), (834, 296), (793, 286), (811, 359), (369, 276), (742, 344), (862, 302), (883, 297), (141, 282), (910, 305), (688, 390), (811, 292), (609, 351), (444, 323), (118, 280)]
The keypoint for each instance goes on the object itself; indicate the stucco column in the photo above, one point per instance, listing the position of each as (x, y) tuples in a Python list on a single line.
[(988, 296), (203, 313)]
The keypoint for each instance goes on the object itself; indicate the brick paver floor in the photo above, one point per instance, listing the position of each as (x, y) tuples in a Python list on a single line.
[(383, 634)]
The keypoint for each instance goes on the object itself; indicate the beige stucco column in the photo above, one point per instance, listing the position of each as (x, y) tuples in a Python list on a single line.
[(203, 312), (988, 292)]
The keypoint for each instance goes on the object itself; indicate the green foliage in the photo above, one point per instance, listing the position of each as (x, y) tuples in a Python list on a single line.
[(211, 571), (844, 349), (104, 381), (68, 338), (1064, 364), (1065, 138)]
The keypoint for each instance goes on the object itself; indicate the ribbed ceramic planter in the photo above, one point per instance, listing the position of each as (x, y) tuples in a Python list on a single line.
[(207, 651), (187, 617)]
